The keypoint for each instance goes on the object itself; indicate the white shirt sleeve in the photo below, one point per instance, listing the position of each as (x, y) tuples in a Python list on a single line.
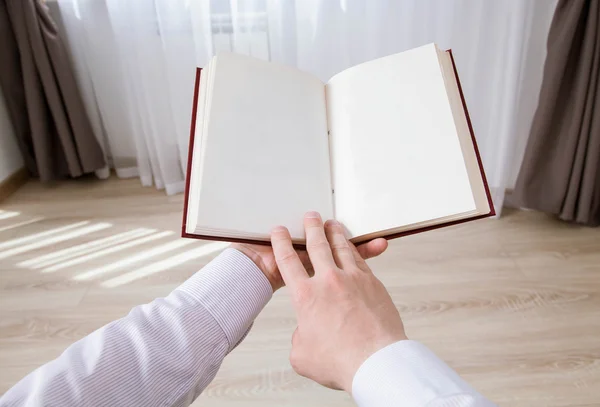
[(408, 374)]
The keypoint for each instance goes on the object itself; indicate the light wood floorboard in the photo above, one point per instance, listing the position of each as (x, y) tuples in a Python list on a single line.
[(512, 304)]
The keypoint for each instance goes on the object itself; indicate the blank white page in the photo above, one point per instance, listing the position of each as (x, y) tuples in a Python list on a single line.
[(265, 152), (396, 155)]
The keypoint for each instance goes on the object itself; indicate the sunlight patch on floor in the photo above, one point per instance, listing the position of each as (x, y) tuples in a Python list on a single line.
[(147, 254), (54, 239), (8, 214), (104, 252), (164, 264), (19, 224), (84, 248), (108, 257), (36, 236)]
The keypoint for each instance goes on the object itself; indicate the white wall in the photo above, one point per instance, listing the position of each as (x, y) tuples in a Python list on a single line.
[(10, 156)]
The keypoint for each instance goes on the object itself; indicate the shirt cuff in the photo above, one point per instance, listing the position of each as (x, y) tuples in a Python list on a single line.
[(233, 289), (406, 373)]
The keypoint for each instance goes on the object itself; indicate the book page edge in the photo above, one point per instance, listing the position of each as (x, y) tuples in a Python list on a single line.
[(188, 177)]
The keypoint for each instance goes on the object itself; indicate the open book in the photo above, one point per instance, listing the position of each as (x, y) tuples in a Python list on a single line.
[(385, 147)]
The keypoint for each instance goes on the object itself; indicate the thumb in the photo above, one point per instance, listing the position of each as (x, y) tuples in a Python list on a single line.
[(373, 248)]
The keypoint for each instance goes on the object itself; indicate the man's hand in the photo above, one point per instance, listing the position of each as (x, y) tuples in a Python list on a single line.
[(344, 312), (263, 257)]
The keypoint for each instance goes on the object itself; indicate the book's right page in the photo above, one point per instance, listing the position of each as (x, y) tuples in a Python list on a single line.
[(395, 151)]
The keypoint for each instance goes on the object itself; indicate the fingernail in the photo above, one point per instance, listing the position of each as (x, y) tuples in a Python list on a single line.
[(312, 214), (333, 222), (278, 229)]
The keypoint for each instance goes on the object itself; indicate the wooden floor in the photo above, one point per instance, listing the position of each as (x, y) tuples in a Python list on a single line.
[(512, 304)]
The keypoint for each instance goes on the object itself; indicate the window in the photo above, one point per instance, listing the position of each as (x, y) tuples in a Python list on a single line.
[(244, 32)]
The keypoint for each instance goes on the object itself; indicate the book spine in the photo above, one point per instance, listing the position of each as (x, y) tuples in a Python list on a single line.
[(329, 145)]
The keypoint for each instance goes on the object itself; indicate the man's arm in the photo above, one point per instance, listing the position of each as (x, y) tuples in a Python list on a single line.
[(350, 335), (163, 353)]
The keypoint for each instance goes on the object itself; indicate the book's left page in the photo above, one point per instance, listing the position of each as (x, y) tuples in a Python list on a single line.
[(261, 152)]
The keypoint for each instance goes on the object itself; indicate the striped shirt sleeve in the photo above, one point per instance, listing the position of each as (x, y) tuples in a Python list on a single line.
[(161, 354)]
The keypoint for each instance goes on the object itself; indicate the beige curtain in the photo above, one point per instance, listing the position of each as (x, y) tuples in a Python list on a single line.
[(560, 173), (42, 97)]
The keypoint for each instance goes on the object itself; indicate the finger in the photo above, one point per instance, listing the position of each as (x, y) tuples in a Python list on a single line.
[(303, 254), (373, 248), (367, 251), (316, 243), (289, 264), (360, 262), (340, 247)]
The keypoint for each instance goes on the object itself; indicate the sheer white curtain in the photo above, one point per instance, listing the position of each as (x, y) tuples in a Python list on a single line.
[(136, 60)]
